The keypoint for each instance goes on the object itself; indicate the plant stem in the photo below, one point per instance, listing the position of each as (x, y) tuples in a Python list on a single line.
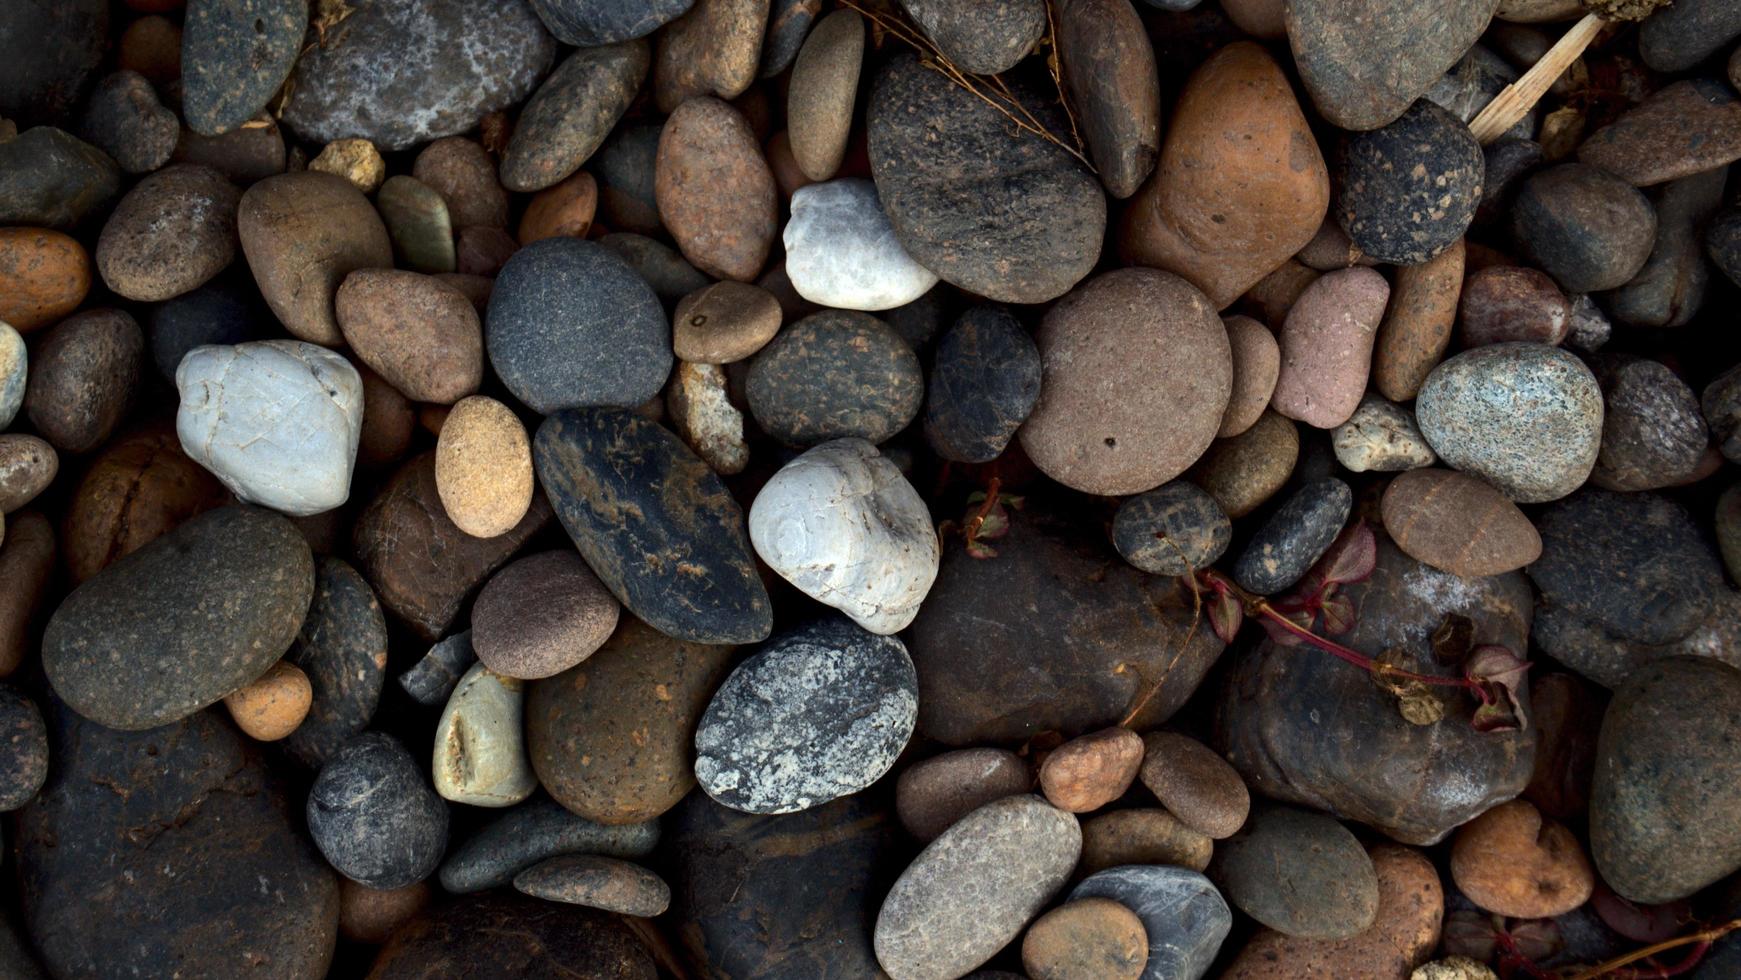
[(977, 521), (1701, 941)]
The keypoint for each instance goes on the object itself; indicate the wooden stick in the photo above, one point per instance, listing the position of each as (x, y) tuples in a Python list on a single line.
[(1521, 96)]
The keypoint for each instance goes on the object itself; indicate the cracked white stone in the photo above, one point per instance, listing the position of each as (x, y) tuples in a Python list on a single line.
[(842, 524), (842, 252), (703, 415), (480, 751), (276, 420)]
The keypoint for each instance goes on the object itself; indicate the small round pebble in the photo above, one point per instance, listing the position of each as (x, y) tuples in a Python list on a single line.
[(832, 375), (1090, 771), (1294, 537), (272, 706), (1301, 873), (44, 275), (725, 322), (1410, 188), (1090, 939), (419, 333), (1417, 326), (1199, 787), (1652, 432), (542, 615), (985, 379), (933, 794), (483, 467), (83, 374), (1507, 302), (1246, 470), (841, 251), (27, 466), (1514, 862), (1457, 523), (356, 160), (572, 112), (1381, 436), (1171, 530), (596, 882), (23, 749), (374, 817), (1147, 835), (173, 231), (1587, 228), (373, 915)]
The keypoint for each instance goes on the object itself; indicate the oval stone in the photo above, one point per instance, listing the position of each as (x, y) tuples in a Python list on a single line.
[(823, 89), (1197, 786), (531, 832), (1299, 873), (725, 322), (1507, 302), (1326, 347), (714, 190), (834, 375), (53, 179), (27, 466), (1684, 128), (342, 647), (373, 817), (1410, 188), (714, 49), (44, 276), (1417, 327), (931, 795), (1171, 530), (302, 234), (1257, 361), (82, 378), (1652, 433), (572, 113), (1587, 228), (1108, 68), (24, 763), (1142, 836), (596, 882), (1294, 537), (1243, 472), (541, 615), (841, 251), (14, 373), (1185, 918), (483, 467), (419, 333), (1457, 523)]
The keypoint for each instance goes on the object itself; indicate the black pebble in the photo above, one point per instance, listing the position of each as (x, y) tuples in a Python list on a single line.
[(1283, 550), (984, 382), (373, 815), (1409, 190)]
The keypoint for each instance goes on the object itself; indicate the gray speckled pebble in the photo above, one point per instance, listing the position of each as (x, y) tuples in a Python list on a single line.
[(432, 679), (1284, 549), (1171, 529), (532, 832), (374, 816), (1300, 872), (818, 713), (14, 367), (124, 119), (235, 54), (1185, 917), (587, 23)]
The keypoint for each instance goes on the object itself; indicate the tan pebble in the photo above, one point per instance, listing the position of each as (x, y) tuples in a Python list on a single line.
[(725, 322), (1417, 329), (1088, 939), (1256, 360), (704, 417), (1458, 523), (483, 467), (272, 706), (1513, 862), (356, 160), (567, 208), (1199, 787), (372, 915), (1145, 836), (1090, 771), (1274, 295), (1246, 470), (27, 466)]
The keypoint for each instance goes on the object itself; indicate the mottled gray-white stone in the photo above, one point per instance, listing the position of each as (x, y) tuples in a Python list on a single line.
[(532, 832), (402, 72), (842, 252), (432, 679), (974, 888), (596, 882), (842, 524), (1525, 417), (1589, 327), (373, 817), (276, 420), (14, 369), (589, 23), (817, 713), (1294, 537), (1381, 436), (480, 745), (1185, 917)]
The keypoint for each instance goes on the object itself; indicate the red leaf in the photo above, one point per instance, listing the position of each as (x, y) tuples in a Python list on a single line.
[(1472, 934), (1501, 676), (1226, 615), (995, 525), (1338, 613), (979, 549), (1351, 557), (1536, 939), (1281, 635)]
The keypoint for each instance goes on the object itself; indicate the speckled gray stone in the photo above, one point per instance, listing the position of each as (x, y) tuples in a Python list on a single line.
[(1381, 436), (342, 647), (52, 179), (1298, 872), (1652, 433), (373, 816), (23, 749), (1670, 289), (973, 889), (1294, 537), (589, 23), (531, 832), (1527, 418), (1171, 530), (985, 37), (833, 375), (596, 882), (572, 113), (402, 72), (234, 56), (985, 379), (432, 679), (1409, 190), (14, 372), (817, 713), (1185, 917)]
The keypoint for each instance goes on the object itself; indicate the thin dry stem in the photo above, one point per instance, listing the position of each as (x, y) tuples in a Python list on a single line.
[(1190, 634), (1055, 68), (1520, 97), (1710, 935)]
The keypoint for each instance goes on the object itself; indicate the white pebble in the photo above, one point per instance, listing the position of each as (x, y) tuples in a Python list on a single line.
[(842, 252)]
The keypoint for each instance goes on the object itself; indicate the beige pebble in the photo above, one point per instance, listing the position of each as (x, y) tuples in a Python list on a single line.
[(483, 467), (1256, 361), (272, 706), (356, 160), (725, 322)]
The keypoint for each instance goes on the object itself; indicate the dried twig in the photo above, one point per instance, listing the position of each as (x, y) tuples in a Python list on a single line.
[(1701, 938), (1520, 96)]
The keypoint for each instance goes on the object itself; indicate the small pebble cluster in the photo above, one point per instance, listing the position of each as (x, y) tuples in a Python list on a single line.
[(833, 489)]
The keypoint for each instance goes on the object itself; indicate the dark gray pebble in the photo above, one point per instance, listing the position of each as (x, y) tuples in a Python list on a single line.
[(1507, 162), (789, 22), (1670, 289), (664, 268), (985, 379), (1721, 405), (589, 23), (432, 679), (1409, 189), (572, 113), (374, 816), (1171, 529), (234, 57), (1652, 433), (1673, 40), (1283, 550), (1723, 242), (228, 310), (1588, 229), (623, 167), (50, 178), (832, 375), (124, 119), (23, 749), (1300, 873), (531, 832), (48, 49), (343, 649)]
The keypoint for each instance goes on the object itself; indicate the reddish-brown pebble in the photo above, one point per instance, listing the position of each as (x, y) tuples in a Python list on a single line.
[(1566, 711), (1457, 523), (27, 467), (713, 49), (1513, 862), (1256, 361), (566, 208), (480, 250), (1275, 294), (483, 467), (714, 190), (417, 332), (1326, 347), (1417, 330), (1246, 470), (931, 795), (302, 234), (388, 419), (1199, 787), (26, 561), (44, 275), (787, 176), (1092, 770), (151, 46), (141, 488), (723, 323), (1508, 302), (1088, 939), (371, 915), (1145, 836), (542, 615), (464, 175), (271, 707), (1684, 128)]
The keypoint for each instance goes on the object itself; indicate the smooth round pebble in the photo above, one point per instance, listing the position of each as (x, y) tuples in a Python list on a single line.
[(1300, 873), (1326, 347), (83, 376), (269, 708), (1587, 228), (1090, 771), (302, 234), (418, 225), (44, 275), (1507, 302), (1417, 327), (541, 615), (596, 882), (1142, 836), (931, 795), (572, 112), (841, 251), (1514, 862), (1410, 188), (419, 333), (27, 466), (1246, 470), (834, 375), (124, 118), (373, 817), (1171, 530), (1457, 523), (1091, 939), (1197, 786), (1294, 537), (823, 89), (723, 323), (483, 467), (714, 190), (480, 748)]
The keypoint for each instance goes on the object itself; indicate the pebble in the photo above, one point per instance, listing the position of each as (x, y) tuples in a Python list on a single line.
[(1045, 657), (27, 466), (1416, 329), (972, 890), (483, 467), (235, 422), (841, 251), (53, 179), (1090, 771), (703, 416), (1109, 73), (817, 713), (1243, 472), (1662, 797), (480, 752), (1505, 303), (930, 796), (985, 379), (1092, 939), (835, 375), (389, 76), (714, 190), (1326, 347), (1366, 62), (1513, 862), (419, 333), (242, 155), (1652, 432), (1141, 836), (596, 882), (83, 377), (1720, 403), (714, 49), (342, 649), (226, 310), (357, 161), (27, 559), (1679, 41), (1331, 249), (1409, 189), (1458, 523), (1171, 530), (625, 167), (433, 677), (1256, 365), (541, 615), (572, 113), (1525, 417), (302, 234), (1381, 436), (983, 39), (187, 817), (138, 488), (842, 524), (588, 23), (124, 119), (272, 705), (14, 373), (1567, 712), (1196, 786), (372, 915), (570, 324), (464, 174), (373, 817), (1634, 563), (1287, 545), (418, 224), (1108, 375), (45, 275), (24, 757), (824, 86), (564, 208), (725, 322), (1185, 918), (1684, 128), (533, 832), (1588, 229), (789, 23), (1670, 289), (670, 274), (503, 933), (1590, 328), (420, 563), (1239, 158), (182, 650), (234, 58), (1300, 873), (939, 154), (50, 52), (171, 233)]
